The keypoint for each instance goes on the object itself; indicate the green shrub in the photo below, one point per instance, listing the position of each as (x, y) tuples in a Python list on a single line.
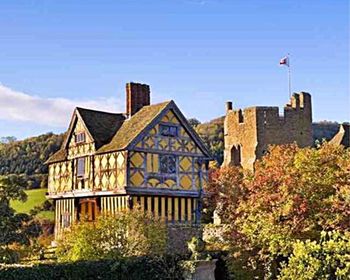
[(327, 259), (130, 233), (137, 268)]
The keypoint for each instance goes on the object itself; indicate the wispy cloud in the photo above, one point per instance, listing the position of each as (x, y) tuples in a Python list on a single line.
[(56, 112)]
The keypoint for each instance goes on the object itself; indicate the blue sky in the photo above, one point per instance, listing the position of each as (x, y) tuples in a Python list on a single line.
[(55, 55)]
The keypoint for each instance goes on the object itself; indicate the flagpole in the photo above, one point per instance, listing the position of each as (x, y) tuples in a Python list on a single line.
[(289, 78)]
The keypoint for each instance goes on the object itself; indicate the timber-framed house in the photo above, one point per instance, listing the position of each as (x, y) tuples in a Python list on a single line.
[(149, 156)]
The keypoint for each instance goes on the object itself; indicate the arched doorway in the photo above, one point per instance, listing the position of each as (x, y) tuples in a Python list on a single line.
[(88, 209), (236, 155)]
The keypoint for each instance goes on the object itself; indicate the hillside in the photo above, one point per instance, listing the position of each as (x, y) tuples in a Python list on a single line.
[(36, 198), (27, 157), (324, 130), (212, 133)]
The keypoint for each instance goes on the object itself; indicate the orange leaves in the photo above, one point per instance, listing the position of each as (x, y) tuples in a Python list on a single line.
[(293, 192)]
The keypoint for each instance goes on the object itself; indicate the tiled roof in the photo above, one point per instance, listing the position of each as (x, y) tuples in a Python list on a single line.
[(60, 155), (111, 131), (101, 125), (132, 127)]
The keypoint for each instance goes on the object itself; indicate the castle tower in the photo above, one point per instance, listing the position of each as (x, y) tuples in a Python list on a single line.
[(248, 133)]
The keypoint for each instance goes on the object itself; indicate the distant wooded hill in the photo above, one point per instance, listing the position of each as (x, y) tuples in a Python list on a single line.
[(325, 130), (27, 157), (212, 134)]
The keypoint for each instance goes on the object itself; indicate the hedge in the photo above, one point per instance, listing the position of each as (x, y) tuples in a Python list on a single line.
[(141, 268)]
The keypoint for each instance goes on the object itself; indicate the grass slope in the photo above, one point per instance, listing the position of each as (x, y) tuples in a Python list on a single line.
[(36, 197)]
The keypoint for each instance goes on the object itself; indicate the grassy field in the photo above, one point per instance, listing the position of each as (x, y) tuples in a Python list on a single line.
[(35, 198)]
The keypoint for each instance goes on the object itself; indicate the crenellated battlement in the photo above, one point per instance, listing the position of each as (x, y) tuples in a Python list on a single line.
[(299, 105), (300, 101), (251, 130)]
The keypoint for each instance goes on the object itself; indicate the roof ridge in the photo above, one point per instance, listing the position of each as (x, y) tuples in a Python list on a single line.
[(97, 111), (104, 112), (158, 104)]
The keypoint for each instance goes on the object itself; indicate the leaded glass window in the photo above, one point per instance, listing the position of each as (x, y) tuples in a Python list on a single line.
[(81, 167), (168, 130), (167, 164), (80, 137)]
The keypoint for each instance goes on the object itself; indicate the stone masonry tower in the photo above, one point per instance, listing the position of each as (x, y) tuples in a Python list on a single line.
[(248, 133)]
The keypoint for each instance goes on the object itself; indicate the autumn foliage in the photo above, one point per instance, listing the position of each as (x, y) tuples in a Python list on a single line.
[(293, 195)]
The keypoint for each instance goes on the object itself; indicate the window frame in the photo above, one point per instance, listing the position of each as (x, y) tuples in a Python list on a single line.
[(175, 161), (80, 137), (78, 168), (164, 126)]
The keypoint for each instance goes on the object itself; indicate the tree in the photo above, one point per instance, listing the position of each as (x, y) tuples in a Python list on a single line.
[(294, 194), (212, 133), (27, 157), (14, 228), (129, 233), (223, 193), (7, 139), (194, 122)]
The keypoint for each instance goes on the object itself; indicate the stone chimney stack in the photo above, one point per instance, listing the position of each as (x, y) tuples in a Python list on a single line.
[(137, 96), (229, 106)]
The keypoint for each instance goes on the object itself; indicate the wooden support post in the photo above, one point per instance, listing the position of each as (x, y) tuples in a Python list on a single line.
[(90, 210), (194, 205), (103, 207), (118, 204), (73, 210), (69, 211), (125, 202), (57, 220), (176, 209), (183, 209), (108, 205), (189, 210), (170, 210), (149, 205), (142, 203), (156, 208), (162, 203)]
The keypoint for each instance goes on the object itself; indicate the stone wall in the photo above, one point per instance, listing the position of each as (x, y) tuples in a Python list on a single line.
[(179, 235), (248, 133)]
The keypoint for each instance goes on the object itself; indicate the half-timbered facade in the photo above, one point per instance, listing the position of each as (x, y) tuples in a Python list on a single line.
[(150, 157)]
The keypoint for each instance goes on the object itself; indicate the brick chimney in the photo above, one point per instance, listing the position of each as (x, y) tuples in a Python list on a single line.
[(137, 96)]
